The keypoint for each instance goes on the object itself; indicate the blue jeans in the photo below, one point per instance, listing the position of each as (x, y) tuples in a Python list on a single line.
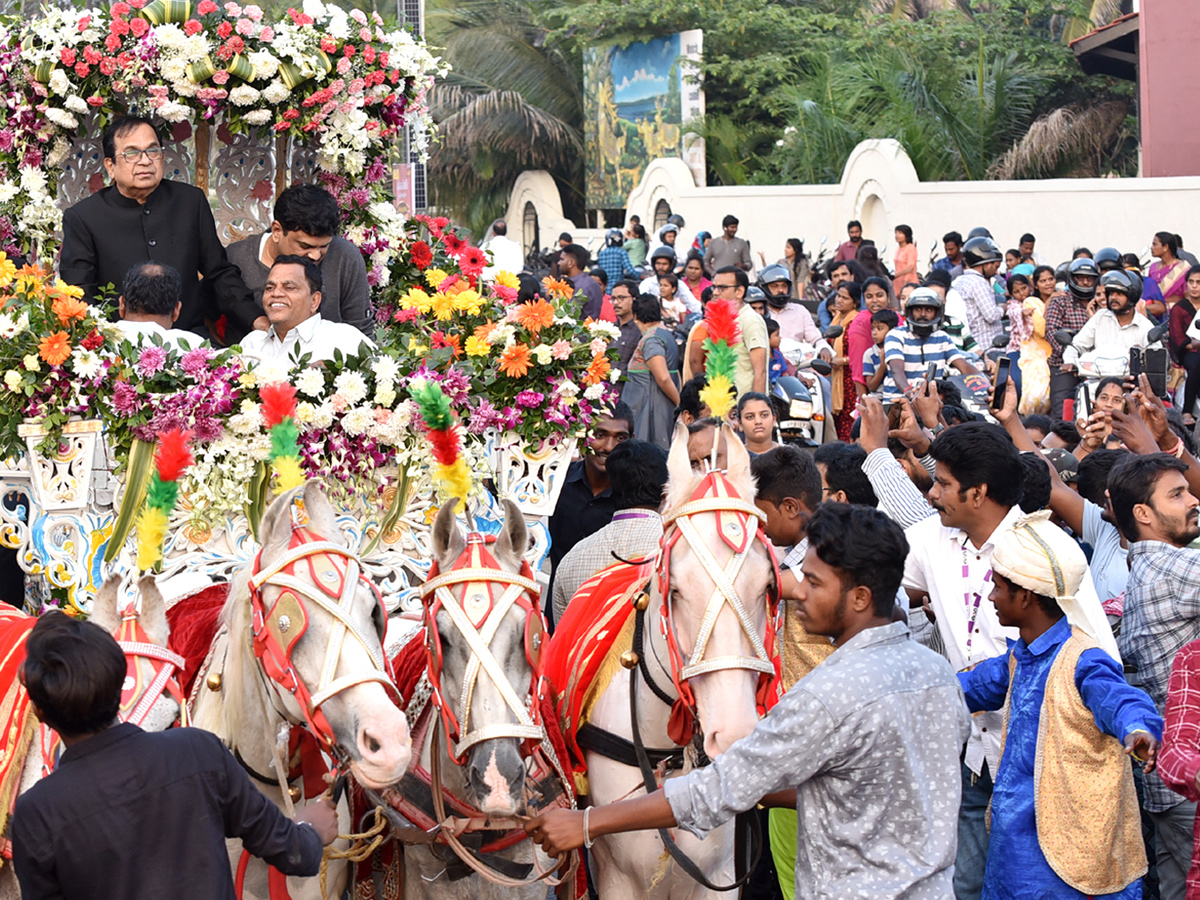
[(971, 861)]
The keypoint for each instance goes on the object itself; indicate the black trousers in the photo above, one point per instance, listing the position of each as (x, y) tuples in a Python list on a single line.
[(1062, 387), (1190, 360)]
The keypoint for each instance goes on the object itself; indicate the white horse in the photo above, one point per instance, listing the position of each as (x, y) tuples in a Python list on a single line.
[(164, 709), (485, 631), (300, 647), (722, 657)]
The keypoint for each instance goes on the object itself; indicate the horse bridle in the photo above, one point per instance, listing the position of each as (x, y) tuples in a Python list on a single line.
[(738, 526), (336, 574), (737, 521), (477, 619)]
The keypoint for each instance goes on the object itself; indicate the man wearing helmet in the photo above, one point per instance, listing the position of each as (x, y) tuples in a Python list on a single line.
[(909, 350), (612, 257), (1117, 329), (1070, 312), (662, 261), (795, 322), (981, 259)]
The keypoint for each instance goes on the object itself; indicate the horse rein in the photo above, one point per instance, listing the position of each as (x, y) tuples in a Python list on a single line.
[(334, 593)]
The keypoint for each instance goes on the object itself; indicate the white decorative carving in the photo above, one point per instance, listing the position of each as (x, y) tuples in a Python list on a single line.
[(531, 479), (242, 178), (61, 480)]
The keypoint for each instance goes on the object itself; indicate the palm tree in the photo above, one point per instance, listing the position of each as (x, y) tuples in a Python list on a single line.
[(511, 102)]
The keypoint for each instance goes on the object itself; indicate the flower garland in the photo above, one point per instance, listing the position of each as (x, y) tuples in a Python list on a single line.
[(170, 462), (720, 318)]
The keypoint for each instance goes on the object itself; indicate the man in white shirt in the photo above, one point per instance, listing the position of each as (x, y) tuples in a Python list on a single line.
[(150, 301), (1117, 329), (507, 255), (292, 302), (976, 489)]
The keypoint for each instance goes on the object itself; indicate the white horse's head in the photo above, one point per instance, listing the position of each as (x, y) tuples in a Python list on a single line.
[(485, 632), (718, 573), (152, 698), (317, 624)]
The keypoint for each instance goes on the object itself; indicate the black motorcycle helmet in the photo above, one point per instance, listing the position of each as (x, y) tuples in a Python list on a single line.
[(772, 274), (923, 297), (664, 252), (1078, 267), (1107, 259), (979, 231), (1118, 281), (978, 251)]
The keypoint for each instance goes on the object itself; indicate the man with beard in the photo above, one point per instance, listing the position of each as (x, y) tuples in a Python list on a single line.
[(1117, 329), (976, 489), (1158, 514), (586, 503)]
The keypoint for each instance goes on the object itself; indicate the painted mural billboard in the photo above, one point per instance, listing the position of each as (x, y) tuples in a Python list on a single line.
[(638, 101)]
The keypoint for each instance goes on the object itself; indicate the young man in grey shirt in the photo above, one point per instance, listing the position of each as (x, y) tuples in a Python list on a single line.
[(866, 747), (307, 221)]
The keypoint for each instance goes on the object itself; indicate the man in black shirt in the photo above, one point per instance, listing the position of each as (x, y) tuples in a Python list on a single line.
[(142, 217), (623, 295), (128, 814), (586, 503)]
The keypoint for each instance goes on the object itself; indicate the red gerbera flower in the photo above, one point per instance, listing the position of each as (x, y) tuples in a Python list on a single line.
[(422, 256), (441, 341), (454, 244), (472, 261)]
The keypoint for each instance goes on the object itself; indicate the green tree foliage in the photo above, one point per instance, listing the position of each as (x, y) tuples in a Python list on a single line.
[(512, 102)]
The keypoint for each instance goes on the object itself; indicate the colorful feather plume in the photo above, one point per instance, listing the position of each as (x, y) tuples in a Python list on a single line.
[(721, 320), (452, 475), (171, 460), (279, 412)]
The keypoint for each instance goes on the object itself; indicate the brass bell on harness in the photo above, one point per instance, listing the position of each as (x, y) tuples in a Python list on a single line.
[(213, 681), (296, 793), (629, 659), (641, 601)]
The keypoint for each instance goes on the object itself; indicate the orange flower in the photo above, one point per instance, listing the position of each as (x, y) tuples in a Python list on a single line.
[(441, 341), (597, 370), (515, 361), (535, 315), (562, 290), (484, 331), (55, 349), (68, 309)]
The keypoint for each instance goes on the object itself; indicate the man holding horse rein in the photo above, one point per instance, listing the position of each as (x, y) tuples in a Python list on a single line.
[(861, 742), (129, 814)]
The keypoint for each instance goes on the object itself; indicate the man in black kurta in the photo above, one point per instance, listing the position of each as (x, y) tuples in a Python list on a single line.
[(133, 815), (140, 217)]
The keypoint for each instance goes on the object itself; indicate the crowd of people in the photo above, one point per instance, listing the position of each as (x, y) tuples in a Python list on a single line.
[(1044, 555), (995, 619)]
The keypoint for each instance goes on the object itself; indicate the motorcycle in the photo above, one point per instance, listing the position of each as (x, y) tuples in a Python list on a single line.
[(1105, 362), (800, 398)]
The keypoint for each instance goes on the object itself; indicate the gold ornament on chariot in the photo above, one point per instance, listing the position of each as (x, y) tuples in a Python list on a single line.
[(629, 659), (213, 681)]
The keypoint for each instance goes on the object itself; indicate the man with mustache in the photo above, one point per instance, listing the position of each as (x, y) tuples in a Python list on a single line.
[(1158, 514)]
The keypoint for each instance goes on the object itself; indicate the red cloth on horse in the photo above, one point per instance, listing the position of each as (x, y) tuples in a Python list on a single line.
[(18, 725), (587, 636), (194, 622)]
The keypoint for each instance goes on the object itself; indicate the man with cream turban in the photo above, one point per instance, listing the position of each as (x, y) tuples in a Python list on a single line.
[(1064, 816)]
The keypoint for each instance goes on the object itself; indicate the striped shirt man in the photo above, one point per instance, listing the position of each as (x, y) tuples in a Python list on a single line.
[(917, 353)]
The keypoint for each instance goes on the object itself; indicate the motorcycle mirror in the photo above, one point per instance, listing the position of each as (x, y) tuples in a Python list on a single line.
[(1000, 341), (832, 332), (824, 239), (821, 367), (1064, 337), (1154, 335)]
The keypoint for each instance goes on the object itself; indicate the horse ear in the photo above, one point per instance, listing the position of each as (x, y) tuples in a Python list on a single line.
[(153, 615), (513, 540), (448, 542), (104, 607), (322, 519), (738, 460), (679, 464)]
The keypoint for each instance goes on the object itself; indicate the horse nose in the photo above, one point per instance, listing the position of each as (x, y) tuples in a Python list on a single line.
[(376, 750), (493, 778), (717, 742)]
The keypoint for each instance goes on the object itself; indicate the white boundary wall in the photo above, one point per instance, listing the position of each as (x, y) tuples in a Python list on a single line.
[(880, 188)]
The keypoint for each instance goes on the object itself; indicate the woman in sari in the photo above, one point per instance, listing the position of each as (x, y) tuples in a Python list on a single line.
[(651, 389), (905, 262), (844, 400), (1028, 346), (1185, 350), (1168, 271), (858, 335)]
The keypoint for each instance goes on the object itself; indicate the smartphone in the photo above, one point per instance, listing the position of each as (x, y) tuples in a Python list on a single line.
[(930, 372), (1087, 401), (1135, 362), (1002, 366)]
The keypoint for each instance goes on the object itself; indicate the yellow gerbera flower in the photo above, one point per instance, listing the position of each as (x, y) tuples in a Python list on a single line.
[(434, 277), (442, 306), (416, 299), (468, 301), (8, 271), (508, 279), (476, 347)]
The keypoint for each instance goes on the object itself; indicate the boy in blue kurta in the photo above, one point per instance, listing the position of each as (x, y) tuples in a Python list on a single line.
[(1064, 816)]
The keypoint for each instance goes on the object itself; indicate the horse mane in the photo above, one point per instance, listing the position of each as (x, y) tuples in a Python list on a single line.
[(225, 719)]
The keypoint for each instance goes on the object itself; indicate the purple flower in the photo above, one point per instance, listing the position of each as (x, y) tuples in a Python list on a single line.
[(375, 171), (151, 360), (530, 399), (124, 399), (195, 362), (6, 140)]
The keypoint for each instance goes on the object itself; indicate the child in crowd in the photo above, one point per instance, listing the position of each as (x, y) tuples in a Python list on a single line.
[(1070, 720), (778, 366), (874, 371)]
